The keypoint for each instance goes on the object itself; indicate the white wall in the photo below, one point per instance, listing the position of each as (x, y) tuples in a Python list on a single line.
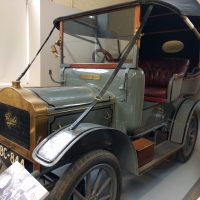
[(50, 11), (13, 51), (34, 42), (89, 4), (41, 16)]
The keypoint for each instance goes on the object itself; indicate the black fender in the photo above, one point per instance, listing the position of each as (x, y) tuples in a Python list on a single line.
[(181, 119), (66, 143)]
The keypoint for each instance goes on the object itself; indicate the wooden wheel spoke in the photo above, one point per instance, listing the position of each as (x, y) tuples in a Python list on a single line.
[(106, 197), (97, 181), (186, 147), (191, 130), (88, 185), (107, 181), (97, 171), (190, 138), (78, 195), (192, 123)]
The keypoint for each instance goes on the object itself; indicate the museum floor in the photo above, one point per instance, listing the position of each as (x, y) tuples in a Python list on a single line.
[(170, 180)]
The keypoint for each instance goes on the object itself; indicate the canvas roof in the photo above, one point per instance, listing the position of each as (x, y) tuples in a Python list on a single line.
[(182, 7)]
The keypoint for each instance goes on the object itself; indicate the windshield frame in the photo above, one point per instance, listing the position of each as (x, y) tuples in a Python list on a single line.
[(136, 24)]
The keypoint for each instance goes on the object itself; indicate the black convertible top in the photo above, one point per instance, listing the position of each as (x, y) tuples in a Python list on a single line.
[(182, 7)]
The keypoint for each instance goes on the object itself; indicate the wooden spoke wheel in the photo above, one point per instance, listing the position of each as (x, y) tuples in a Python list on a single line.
[(191, 135), (94, 176)]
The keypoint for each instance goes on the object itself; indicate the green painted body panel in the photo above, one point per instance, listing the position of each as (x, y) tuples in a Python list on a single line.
[(132, 114), (97, 116), (122, 108), (128, 105), (134, 104), (181, 119), (174, 89), (190, 86), (155, 114), (68, 97), (66, 104)]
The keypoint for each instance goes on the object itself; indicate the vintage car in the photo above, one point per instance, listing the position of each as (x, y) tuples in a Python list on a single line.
[(126, 99)]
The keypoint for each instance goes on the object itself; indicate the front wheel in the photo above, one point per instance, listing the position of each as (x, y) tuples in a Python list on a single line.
[(184, 154), (94, 176)]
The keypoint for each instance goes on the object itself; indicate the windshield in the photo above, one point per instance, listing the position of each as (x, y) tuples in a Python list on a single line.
[(98, 39)]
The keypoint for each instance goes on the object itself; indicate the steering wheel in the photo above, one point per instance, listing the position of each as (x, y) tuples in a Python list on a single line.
[(106, 56)]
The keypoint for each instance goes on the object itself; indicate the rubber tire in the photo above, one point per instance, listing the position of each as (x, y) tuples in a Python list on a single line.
[(181, 154), (68, 181)]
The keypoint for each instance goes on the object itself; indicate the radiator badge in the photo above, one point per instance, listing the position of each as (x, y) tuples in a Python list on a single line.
[(10, 119)]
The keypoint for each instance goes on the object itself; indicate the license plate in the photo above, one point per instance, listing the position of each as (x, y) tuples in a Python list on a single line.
[(9, 157)]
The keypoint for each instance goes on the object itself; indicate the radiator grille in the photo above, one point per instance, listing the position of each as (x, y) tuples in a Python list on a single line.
[(15, 125)]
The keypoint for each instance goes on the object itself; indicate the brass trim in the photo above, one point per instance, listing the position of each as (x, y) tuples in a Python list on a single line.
[(24, 99), (95, 77), (54, 51), (108, 116), (10, 119), (17, 148), (98, 98), (160, 110), (39, 140), (59, 125), (59, 42), (16, 84)]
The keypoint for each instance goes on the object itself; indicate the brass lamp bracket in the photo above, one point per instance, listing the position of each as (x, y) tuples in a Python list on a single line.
[(53, 48), (58, 42), (142, 34), (54, 51)]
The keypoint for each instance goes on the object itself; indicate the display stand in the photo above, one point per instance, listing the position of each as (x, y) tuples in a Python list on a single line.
[(18, 184)]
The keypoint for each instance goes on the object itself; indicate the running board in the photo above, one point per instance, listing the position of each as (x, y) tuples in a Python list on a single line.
[(161, 152)]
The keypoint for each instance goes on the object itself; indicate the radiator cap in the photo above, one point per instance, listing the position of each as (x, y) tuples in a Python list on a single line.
[(16, 84)]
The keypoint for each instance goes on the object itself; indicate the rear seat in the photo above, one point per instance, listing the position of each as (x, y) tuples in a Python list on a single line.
[(160, 75)]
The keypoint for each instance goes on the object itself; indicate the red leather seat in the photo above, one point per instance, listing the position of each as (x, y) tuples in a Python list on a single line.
[(158, 73), (157, 92)]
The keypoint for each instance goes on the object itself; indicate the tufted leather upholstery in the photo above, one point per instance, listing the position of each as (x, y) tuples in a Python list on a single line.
[(158, 73)]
